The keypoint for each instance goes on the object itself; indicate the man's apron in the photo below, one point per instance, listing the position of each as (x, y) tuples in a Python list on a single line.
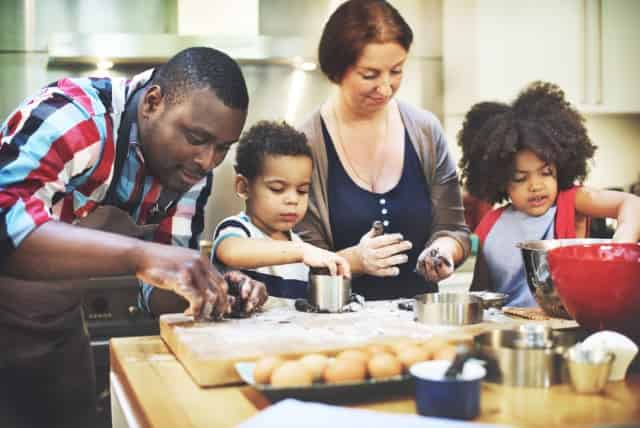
[(47, 375)]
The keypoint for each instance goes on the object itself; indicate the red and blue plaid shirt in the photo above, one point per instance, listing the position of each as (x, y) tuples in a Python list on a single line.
[(57, 157)]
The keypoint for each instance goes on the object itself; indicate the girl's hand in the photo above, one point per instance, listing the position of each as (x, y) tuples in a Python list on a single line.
[(317, 257), (380, 255), (435, 263)]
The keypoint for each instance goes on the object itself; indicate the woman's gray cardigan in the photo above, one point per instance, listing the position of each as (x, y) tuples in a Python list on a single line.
[(428, 139)]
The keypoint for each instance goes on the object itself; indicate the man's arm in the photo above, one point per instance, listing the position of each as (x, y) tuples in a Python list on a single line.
[(46, 145), (183, 226)]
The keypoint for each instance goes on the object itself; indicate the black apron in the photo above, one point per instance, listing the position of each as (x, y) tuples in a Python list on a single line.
[(47, 375)]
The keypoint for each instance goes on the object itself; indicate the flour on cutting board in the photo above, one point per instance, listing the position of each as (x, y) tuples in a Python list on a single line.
[(209, 350), (281, 329)]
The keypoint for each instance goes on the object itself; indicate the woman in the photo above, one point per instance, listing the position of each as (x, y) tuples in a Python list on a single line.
[(380, 159)]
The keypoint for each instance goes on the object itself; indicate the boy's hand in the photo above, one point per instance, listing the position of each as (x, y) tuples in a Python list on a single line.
[(317, 257)]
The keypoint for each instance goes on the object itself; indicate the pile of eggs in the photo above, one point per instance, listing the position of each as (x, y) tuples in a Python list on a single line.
[(352, 365)]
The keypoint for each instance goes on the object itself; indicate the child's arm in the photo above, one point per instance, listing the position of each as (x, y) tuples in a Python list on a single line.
[(247, 253), (622, 206)]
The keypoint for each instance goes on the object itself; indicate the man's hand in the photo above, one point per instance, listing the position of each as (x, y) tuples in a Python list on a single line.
[(186, 273), (246, 295)]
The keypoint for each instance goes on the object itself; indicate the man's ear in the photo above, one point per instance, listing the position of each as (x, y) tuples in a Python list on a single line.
[(151, 100), (242, 186)]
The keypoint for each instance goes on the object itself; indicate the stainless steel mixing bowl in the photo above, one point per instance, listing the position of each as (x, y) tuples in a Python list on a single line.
[(448, 308), (534, 254)]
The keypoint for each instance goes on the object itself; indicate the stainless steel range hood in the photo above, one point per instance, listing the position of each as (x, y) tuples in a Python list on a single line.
[(152, 49), (251, 31)]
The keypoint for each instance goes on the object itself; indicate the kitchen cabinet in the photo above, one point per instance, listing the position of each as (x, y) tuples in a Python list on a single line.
[(620, 55), (590, 48)]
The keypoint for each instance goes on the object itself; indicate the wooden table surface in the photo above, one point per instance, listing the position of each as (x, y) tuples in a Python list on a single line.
[(160, 393)]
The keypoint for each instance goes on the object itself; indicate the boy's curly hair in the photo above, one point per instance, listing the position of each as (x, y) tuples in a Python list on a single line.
[(268, 138), (541, 120)]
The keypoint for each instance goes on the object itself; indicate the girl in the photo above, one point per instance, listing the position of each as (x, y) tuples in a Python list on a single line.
[(273, 166), (531, 153)]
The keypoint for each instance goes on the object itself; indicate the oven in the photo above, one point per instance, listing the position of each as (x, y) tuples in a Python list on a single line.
[(111, 310)]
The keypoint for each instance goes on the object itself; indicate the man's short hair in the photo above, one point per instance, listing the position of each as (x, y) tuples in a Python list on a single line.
[(199, 68)]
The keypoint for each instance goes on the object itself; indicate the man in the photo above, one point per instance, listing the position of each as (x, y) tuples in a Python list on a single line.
[(92, 152)]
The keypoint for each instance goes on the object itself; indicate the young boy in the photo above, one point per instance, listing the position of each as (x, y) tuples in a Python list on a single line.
[(273, 166)]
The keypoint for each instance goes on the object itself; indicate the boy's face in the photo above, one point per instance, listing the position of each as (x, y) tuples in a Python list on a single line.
[(277, 199), (534, 186)]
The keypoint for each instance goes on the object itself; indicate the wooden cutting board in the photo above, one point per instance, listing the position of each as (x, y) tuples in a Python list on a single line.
[(209, 350)]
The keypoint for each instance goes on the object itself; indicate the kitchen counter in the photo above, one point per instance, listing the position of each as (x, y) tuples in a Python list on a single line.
[(150, 388)]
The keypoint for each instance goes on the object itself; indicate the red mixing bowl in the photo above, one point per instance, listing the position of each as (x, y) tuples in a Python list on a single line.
[(599, 285)]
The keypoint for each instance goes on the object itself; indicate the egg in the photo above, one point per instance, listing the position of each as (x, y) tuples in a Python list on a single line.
[(445, 353), (290, 374), (400, 346), (411, 355), (315, 363), (354, 354), (264, 367), (383, 365), (345, 370), (432, 346), (378, 348)]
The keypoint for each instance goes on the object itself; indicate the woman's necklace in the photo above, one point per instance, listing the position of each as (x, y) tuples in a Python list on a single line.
[(370, 183)]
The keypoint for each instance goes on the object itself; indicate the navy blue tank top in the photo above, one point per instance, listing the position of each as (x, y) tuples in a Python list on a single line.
[(405, 209)]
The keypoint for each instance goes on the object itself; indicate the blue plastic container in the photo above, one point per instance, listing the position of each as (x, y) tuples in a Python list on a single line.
[(448, 398)]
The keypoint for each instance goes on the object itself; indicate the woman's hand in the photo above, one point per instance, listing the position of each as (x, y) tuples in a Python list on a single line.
[(188, 274), (317, 257), (435, 263), (380, 255)]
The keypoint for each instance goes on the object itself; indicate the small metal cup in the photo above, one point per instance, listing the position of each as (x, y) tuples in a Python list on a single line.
[(326, 292), (533, 336), (588, 369)]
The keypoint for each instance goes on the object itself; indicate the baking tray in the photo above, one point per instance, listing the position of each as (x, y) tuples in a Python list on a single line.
[(367, 390)]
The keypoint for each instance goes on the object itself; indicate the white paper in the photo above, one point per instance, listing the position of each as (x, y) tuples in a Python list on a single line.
[(293, 413)]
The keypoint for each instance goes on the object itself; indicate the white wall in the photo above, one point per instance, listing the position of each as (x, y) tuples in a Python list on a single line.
[(239, 17)]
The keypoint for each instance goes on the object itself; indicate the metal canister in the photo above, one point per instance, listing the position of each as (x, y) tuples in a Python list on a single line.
[(327, 292), (514, 360)]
